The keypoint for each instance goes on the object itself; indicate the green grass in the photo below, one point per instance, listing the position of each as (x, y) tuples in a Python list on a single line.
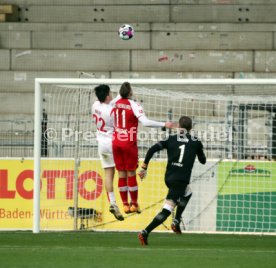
[(94, 249)]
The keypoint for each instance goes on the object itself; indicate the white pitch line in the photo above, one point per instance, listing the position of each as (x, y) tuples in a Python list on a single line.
[(144, 248), (197, 249)]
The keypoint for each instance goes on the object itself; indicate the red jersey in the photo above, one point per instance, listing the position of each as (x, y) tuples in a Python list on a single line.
[(126, 113)]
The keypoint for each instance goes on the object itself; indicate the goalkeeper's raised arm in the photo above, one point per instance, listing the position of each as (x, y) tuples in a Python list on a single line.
[(152, 150)]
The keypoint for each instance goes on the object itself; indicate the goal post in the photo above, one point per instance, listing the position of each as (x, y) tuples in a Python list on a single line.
[(37, 157), (234, 192)]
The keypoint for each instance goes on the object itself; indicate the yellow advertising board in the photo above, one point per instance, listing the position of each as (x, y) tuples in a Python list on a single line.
[(57, 195)]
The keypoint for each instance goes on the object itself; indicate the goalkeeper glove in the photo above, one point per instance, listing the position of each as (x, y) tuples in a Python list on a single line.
[(143, 171)]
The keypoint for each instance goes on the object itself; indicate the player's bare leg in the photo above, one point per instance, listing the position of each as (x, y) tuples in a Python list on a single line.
[(123, 188), (113, 208), (133, 191)]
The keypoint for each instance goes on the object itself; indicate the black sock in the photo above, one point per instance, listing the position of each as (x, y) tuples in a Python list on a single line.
[(181, 207), (158, 219), (178, 213)]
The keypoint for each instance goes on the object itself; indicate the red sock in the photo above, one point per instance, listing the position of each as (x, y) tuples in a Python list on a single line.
[(122, 184), (133, 189)]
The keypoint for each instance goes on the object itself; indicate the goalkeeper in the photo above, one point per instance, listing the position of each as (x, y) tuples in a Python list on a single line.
[(182, 150)]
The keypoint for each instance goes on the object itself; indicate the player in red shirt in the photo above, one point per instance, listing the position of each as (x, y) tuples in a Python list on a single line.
[(127, 113)]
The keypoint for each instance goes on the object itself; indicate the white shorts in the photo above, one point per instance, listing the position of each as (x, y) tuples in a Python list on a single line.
[(106, 154)]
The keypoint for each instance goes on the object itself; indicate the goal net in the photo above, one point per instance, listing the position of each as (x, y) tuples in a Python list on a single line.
[(234, 192)]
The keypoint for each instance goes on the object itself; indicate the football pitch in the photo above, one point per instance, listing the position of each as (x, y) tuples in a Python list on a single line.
[(98, 249)]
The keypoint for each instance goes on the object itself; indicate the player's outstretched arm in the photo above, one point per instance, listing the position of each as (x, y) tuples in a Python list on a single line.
[(151, 123), (152, 150), (200, 154), (140, 114), (171, 125)]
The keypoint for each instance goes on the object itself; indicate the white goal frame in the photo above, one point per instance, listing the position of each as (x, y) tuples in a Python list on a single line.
[(38, 113)]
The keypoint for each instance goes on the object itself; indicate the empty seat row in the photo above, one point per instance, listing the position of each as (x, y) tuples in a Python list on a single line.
[(23, 81), (138, 60), (146, 11)]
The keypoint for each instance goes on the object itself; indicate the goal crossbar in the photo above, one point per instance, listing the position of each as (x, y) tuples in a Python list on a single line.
[(150, 81)]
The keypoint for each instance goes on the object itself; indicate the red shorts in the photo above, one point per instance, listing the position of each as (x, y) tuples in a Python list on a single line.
[(125, 156)]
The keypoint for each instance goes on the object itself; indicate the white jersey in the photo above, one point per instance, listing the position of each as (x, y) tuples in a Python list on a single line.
[(104, 122), (101, 113)]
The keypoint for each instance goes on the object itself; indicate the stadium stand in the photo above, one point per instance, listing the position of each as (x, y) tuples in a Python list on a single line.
[(173, 38)]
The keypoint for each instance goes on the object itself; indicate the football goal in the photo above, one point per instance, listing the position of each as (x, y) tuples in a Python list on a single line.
[(234, 118)]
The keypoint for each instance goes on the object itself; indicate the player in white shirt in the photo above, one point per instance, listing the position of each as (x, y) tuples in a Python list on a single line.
[(101, 112)]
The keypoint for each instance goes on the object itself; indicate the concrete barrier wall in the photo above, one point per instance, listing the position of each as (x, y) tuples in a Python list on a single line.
[(88, 2), (72, 14), (265, 61), (88, 40), (75, 27), (138, 60), (51, 47), (221, 2), (70, 60), (143, 40), (5, 59), (140, 2), (197, 36), (17, 103), (23, 81), (147, 11), (212, 40), (223, 13), (15, 39), (213, 27), (192, 61), (155, 47)]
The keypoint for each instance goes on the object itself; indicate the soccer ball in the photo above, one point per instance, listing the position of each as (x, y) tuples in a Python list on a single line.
[(126, 32)]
